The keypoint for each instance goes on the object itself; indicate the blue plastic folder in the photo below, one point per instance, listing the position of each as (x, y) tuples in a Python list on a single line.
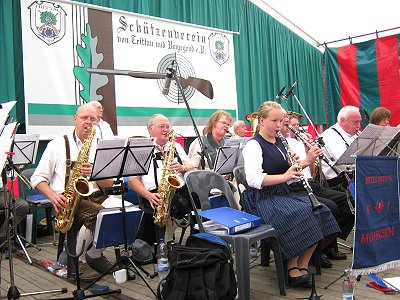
[(108, 231), (234, 221)]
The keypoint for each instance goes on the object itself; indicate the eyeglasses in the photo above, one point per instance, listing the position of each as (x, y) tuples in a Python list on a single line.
[(162, 127), (225, 123), (86, 118)]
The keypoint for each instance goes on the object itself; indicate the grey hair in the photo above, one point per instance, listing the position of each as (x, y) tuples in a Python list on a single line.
[(237, 123), (150, 123)]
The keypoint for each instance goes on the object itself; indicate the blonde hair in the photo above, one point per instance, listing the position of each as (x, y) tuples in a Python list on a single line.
[(266, 107), (213, 119)]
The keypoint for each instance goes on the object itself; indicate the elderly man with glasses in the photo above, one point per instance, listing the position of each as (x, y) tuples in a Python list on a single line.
[(51, 177), (146, 185)]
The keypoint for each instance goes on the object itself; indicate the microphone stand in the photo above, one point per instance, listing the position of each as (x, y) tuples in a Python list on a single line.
[(202, 85), (203, 152)]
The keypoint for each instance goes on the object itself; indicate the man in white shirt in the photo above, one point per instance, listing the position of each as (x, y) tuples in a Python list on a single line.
[(146, 185), (50, 180), (338, 137), (104, 130), (239, 129), (335, 200)]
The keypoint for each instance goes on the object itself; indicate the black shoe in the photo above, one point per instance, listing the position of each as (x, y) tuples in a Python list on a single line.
[(298, 281), (325, 263), (333, 254)]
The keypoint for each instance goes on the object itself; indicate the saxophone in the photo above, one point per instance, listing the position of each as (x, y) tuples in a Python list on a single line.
[(167, 186), (76, 188)]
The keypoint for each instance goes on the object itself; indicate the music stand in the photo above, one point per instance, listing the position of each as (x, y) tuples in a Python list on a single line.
[(243, 141), (375, 140), (227, 157), (23, 152), (6, 138), (119, 158)]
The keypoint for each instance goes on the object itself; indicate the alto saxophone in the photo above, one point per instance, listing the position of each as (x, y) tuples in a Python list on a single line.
[(167, 186), (77, 187)]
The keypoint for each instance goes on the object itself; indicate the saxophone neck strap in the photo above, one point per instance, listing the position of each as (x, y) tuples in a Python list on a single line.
[(68, 163)]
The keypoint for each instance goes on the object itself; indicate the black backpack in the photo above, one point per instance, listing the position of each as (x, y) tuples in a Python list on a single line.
[(201, 270)]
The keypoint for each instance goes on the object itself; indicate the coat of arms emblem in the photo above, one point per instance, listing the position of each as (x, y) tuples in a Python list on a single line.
[(219, 48), (47, 21)]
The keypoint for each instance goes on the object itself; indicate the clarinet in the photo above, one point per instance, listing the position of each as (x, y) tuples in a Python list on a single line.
[(314, 202), (309, 145)]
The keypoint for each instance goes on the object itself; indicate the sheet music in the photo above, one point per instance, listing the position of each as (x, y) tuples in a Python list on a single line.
[(25, 148), (110, 157), (139, 156), (6, 139), (107, 151), (226, 159), (372, 140)]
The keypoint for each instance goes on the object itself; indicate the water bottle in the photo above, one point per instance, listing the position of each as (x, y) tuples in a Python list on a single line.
[(348, 285), (162, 260)]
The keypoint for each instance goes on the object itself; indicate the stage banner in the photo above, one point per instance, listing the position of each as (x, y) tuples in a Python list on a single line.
[(365, 75), (61, 39), (377, 238)]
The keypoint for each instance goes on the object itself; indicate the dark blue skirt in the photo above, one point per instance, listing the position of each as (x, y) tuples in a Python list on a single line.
[(297, 226)]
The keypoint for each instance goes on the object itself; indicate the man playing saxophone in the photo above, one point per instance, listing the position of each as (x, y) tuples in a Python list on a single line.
[(51, 178), (146, 185)]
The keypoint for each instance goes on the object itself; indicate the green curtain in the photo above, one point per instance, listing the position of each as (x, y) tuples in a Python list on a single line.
[(267, 54)]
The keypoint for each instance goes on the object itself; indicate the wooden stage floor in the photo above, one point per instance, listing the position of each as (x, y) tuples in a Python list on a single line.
[(264, 285)]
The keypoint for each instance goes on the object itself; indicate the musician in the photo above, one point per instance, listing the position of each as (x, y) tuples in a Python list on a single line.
[(335, 200), (103, 129), (21, 207), (49, 179), (268, 173), (380, 116), (239, 129), (337, 139), (146, 185), (214, 137)]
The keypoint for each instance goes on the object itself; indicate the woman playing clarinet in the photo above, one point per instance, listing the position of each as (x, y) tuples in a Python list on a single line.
[(299, 225)]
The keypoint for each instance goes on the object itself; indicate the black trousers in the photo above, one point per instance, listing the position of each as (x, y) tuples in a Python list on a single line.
[(336, 202)]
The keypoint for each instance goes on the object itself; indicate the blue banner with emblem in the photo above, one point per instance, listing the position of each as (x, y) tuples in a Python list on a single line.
[(376, 238)]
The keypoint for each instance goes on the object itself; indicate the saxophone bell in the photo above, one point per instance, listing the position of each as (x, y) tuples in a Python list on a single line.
[(83, 187)]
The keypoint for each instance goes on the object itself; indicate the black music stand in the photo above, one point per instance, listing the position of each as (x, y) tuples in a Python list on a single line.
[(227, 157), (119, 158), (6, 138)]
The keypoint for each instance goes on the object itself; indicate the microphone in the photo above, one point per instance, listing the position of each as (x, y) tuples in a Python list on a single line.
[(168, 78), (285, 97), (280, 92)]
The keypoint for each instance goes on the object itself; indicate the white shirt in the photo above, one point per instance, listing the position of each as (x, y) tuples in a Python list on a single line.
[(104, 131), (194, 155), (298, 148), (334, 147), (253, 159), (52, 165), (148, 180)]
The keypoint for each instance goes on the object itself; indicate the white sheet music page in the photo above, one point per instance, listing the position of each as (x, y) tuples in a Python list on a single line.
[(372, 140), (108, 159), (139, 156), (6, 139), (25, 148)]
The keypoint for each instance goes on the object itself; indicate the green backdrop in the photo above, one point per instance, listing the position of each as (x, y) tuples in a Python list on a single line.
[(267, 54)]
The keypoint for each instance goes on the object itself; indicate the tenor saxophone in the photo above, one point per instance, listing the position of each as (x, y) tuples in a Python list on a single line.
[(167, 186), (77, 187)]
